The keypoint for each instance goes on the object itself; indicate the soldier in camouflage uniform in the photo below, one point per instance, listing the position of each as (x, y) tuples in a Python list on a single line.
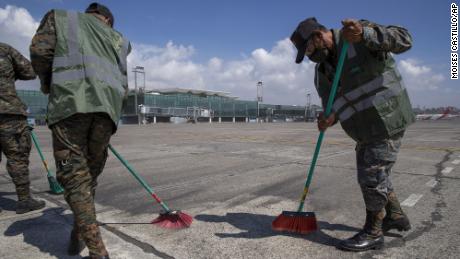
[(372, 106), (15, 140), (81, 62)]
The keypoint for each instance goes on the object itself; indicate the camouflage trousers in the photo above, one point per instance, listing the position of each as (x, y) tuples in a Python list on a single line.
[(80, 145), (374, 162), (15, 143)]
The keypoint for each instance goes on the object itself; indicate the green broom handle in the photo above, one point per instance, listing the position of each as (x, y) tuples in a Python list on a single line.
[(330, 101), (37, 146), (139, 178)]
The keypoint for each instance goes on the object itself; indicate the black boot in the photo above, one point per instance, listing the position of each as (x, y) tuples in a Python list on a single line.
[(371, 237), (395, 217), (76, 244), (29, 205)]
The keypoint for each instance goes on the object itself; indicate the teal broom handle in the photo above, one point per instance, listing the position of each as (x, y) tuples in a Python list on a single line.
[(37, 146), (335, 83), (139, 178), (330, 101)]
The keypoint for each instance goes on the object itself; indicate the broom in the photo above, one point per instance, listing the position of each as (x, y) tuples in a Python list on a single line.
[(305, 222), (54, 185), (174, 219)]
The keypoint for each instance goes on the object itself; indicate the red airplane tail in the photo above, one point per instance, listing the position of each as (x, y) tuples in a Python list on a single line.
[(445, 113)]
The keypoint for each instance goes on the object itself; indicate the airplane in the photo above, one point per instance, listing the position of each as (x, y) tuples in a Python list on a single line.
[(440, 116)]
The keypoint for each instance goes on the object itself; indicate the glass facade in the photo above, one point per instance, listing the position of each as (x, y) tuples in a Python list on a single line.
[(218, 105)]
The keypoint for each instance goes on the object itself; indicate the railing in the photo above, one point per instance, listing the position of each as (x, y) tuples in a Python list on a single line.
[(191, 112)]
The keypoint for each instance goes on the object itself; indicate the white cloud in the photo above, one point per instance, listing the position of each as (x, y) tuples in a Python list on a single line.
[(168, 66), (412, 69), (420, 77), (426, 87), (17, 27), (284, 81)]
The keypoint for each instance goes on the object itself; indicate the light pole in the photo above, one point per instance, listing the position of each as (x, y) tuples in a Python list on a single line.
[(260, 93), (308, 108), (140, 70)]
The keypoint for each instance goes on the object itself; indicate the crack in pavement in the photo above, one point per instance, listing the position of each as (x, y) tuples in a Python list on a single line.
[(142, 245), (148, 248), (242, 172)]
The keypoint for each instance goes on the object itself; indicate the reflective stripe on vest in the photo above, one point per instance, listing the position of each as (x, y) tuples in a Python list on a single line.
[(93, 61), (395, 89), (95, 67), (78, 74), (386, 78)]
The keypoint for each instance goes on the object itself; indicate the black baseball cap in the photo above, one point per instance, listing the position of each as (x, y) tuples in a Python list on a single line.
[(302, 34), (102, 10)]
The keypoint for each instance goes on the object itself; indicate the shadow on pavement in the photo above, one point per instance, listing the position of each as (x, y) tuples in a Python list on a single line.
[(7, 203), (259, 226), (49, 232), (123, 223), (390, 234)]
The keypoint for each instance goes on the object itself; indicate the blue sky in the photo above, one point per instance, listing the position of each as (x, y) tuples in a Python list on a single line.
[(236, 34)]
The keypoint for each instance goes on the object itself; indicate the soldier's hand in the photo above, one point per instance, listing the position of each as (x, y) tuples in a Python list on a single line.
[(352, 30), (324, 123)]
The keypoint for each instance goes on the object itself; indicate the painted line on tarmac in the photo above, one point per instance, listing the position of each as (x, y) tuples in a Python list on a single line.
[(428, 148), (447, 170), (456, 162), (411, 200), (432, 183)]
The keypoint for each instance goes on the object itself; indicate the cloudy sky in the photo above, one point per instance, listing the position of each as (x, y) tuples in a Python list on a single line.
[(231, 45)]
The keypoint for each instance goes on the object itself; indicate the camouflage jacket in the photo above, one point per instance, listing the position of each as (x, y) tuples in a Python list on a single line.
[(42, 51), (13, 66), (380, 40)]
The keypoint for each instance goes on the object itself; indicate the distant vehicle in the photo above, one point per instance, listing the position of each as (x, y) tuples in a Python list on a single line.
[(439, 116)]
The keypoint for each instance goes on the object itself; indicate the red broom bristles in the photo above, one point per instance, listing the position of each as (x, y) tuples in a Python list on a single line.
[(295, 222)]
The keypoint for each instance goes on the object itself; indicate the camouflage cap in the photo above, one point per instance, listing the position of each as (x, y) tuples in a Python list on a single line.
[(302, 34), (102, 10)]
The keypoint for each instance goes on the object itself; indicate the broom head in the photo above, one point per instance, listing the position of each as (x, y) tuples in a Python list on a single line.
[(296, 222), (55, 187), (173, 220)]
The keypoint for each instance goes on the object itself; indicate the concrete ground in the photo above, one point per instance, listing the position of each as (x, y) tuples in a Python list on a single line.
[(235, 179)]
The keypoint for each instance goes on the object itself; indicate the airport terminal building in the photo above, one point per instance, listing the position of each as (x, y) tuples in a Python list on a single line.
[(187, 105)]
